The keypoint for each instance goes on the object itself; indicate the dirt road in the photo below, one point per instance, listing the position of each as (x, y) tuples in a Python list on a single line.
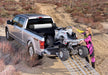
[(100, 40)]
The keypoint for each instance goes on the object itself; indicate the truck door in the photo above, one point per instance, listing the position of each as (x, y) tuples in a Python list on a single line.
[(18, 29), (12, 26)]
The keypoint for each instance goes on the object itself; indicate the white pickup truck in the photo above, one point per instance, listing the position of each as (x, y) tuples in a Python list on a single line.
[(38, 33), (31, 30)]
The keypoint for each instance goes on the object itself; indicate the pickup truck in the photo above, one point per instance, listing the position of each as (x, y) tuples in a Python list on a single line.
[(41, 35), (33, 30)]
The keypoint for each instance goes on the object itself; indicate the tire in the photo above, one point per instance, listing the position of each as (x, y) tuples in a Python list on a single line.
[(83, 51), (40, 57), (49, 41), (8, 37), (63, 54), (33, 59)]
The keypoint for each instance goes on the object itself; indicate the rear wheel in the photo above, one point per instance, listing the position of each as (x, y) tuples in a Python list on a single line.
[(63, 54), (83, 51), (33, 59)]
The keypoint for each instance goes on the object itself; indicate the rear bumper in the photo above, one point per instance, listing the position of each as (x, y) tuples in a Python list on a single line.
[(51, 51)]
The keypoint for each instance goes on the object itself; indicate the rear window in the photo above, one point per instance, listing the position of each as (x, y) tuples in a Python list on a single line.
[(40, 21)]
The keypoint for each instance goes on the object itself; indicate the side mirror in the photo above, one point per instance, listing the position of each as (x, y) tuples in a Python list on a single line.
[(9, 22), (15, 23)]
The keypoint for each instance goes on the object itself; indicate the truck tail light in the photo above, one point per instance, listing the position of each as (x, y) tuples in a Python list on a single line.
[(41, 44), (40, 17)]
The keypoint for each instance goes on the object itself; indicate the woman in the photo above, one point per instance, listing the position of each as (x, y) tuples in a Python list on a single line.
[(88, 40)]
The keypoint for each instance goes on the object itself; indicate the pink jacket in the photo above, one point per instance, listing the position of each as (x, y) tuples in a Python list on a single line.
[(89, 44)]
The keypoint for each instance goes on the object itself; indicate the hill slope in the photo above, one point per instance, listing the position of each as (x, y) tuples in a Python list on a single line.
[(55, 67), (100, 40)]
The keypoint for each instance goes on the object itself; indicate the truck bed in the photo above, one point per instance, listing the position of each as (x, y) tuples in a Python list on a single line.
[(42, 31), (33, 31)]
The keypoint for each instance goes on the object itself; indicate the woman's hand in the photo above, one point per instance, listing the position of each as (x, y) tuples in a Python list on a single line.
[(73, 27), (81, 41)]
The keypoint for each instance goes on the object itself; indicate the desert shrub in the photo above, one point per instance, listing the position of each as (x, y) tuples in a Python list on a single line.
[(6, 47), (17, 12), (1, 21), (82, 20), (96, 25), (2, 65), (10, 5), (79, 8), (68, 9), (28, 7)]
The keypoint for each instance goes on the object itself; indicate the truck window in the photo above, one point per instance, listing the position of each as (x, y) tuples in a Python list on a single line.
[(41, 25), (21, 22), (15, 20), (40, 21)]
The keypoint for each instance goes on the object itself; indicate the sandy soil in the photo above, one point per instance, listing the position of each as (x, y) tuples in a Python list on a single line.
[(51, 66), (100, 40)]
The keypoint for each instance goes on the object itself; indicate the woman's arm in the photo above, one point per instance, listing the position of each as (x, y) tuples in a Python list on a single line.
[(80, 31), (86, 39), (81, 42)]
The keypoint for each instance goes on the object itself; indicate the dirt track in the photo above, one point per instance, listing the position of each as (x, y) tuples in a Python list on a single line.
[(49, 66), (54, 66), (100, 40)]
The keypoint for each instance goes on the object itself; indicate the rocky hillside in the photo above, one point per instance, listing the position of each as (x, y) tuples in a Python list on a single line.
[(88, 12), (10, 8)]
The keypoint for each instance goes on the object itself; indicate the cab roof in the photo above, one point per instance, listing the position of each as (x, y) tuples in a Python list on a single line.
[(31, 16)]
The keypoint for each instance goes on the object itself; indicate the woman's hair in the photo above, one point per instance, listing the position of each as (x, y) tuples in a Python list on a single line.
[(90, 30)]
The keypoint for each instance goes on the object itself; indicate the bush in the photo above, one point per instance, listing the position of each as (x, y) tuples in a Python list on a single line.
[(1, 21), (97, 25)]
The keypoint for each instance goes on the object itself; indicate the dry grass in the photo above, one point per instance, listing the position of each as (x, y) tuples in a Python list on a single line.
[(2, 65), (1, 21), (97, 10), (8, 51), (10, 7), (15, 53), (6, 47), (9, 70)]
